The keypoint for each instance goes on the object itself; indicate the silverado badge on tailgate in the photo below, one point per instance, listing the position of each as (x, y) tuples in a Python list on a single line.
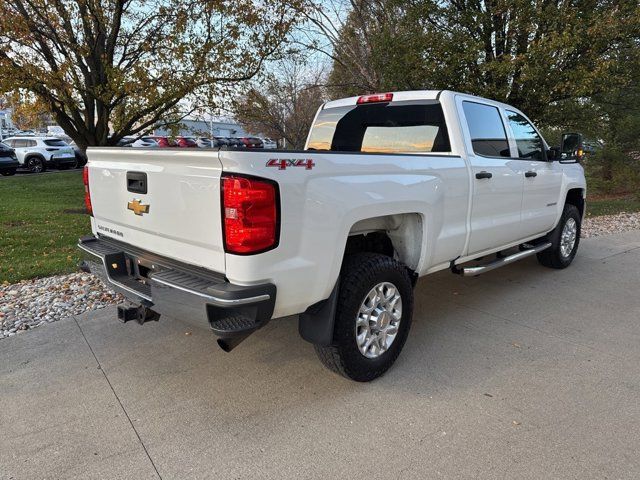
[(138, 208)]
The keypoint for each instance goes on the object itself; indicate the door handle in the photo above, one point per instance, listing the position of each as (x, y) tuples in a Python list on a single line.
[(484, 174), (531, 174)]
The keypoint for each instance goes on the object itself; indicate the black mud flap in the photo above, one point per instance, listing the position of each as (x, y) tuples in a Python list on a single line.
[(316, 324)]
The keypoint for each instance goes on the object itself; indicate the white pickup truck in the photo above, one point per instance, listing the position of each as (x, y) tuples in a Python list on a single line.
[(390, 187)]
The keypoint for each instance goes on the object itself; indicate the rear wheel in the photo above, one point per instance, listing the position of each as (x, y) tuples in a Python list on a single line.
[(564, 239), (373, 317), (35, 165), (8, 172)]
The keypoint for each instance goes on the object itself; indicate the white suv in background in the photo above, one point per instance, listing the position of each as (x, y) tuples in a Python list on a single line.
[(145, 142), (269, 143), (38, 153)]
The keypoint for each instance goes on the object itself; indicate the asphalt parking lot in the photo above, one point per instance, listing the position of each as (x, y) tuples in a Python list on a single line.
[(524, 372)]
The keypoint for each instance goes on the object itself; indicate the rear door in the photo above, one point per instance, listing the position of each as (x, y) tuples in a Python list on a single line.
[(497, 179), (542, 179), (162, 200), (19, 145)]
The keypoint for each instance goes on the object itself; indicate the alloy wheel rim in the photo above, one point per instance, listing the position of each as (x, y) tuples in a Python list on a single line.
[(36, 167), (378, 320), (568, 237)]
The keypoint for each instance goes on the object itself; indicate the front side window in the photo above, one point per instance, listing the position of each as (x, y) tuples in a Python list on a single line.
[(400, 127), (30, 143), (530, 145), (488, 136)]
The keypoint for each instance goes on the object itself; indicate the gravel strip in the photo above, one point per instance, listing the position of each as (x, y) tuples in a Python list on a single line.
[(32, 303), (608, 224)]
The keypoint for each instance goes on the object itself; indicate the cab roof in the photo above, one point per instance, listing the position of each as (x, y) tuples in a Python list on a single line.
[(397, 97)]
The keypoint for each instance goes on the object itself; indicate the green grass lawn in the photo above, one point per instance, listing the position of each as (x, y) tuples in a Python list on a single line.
[(40, 224), (609, 206)]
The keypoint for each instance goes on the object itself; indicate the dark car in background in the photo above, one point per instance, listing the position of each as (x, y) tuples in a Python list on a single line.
[(8, 161), (235, 142), (186, 142), (252, 142), (222, 141)]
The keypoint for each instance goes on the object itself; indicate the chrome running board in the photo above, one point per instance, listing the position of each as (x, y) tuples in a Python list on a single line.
[(499, 262)]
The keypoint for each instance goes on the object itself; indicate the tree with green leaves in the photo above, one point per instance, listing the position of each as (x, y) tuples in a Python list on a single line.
[(531, 54), (110, 68)]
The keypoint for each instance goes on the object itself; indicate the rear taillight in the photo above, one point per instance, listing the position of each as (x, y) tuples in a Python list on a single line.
[(87, 195), (375, 98), (250, 215)]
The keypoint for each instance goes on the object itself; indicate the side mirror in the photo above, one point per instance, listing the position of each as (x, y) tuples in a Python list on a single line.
[(571, 148)]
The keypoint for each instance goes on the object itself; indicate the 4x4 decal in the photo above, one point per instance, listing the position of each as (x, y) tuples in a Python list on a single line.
[(283, 163)]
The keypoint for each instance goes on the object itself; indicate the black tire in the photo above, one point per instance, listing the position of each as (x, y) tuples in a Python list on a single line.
[(8, 172), (553, 257), (35, 164), (360, 274)]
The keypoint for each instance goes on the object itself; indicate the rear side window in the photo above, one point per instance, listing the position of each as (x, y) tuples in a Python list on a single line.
[(488, 135), (529, 143), (19, 143), (397, 127), (55, 142)]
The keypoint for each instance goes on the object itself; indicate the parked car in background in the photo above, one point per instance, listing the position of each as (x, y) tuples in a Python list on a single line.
[(8, 161), (222, 141), (38, 153), (145, 142), (204, 142), (125, 142), (235, 142), (269, 143), (186, 142), (252, 142), (164, 142)]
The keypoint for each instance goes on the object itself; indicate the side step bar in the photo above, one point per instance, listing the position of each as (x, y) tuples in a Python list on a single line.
[(499, 262)]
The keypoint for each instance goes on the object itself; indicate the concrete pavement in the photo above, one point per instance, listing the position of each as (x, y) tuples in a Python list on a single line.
[(524, 372)]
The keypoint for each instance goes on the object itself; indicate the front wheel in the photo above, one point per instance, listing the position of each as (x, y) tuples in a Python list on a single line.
[(8, 172), (373, 317), (564, 239)]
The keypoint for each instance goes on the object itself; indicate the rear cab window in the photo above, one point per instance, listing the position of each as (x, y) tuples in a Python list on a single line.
[(392, 127)]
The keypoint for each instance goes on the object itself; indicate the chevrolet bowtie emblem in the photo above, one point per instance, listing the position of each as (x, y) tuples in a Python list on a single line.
[(137, 207)]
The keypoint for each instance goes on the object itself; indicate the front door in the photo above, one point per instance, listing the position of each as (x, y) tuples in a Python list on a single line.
[(542, 179)]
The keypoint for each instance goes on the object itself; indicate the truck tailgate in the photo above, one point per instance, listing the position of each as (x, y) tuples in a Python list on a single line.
[(179, 215)]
